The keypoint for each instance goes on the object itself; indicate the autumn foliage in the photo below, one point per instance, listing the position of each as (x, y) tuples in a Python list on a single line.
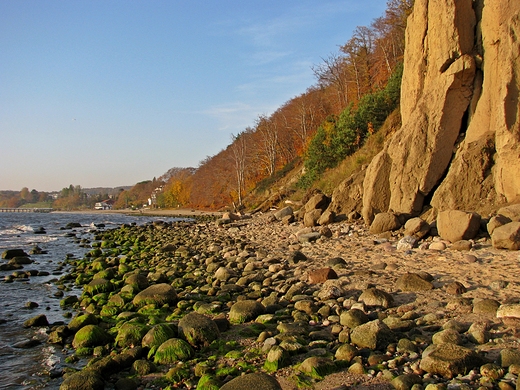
[(346, 105)]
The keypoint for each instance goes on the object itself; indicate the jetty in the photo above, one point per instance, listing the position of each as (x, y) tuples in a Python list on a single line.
[(25, 210)]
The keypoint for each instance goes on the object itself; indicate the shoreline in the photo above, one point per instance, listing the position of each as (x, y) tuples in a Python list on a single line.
[(148, 212)]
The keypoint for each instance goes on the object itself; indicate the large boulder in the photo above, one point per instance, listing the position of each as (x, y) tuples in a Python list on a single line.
[(158, 294), (317, 202), (373, 335), (455, 225), (512, 212), (198, 329), (90, 336), (449, 360), (507, 236), (83, 380), (244, 311), (172, 351), (384, 222)]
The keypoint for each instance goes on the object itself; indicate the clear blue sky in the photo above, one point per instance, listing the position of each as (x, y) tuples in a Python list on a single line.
[(109, 93)]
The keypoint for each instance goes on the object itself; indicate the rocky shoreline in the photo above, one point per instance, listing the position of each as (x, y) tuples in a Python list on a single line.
[(199, 305)]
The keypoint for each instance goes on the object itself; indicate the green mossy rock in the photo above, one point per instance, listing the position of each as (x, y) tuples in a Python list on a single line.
[(83, 380), (156, 336), (208, 382), (131, 333), (97, 286), (198, 329), (82, 320), (90, 336), (173, 350), (244, 311), (257, 381)]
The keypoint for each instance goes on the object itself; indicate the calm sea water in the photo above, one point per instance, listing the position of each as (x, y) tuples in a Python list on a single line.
[(28, 368)]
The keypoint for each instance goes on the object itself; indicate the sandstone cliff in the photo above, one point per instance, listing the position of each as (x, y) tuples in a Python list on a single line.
[(459, 144)]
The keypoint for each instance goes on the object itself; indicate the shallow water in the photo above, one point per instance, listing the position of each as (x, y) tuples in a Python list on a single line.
[(29, 368)]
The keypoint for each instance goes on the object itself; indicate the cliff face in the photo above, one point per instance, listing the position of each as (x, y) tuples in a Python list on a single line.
[(459, 144)]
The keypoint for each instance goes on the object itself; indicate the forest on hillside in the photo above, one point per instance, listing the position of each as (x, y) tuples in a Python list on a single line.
[(355, 90)]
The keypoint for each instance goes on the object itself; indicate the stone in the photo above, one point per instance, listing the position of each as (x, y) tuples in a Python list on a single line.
[(321, 275), (90, 336), (83, 380), (376, 297), (286, 211), (10, 253), (461, 245), (511, 212), (277, 358), (172, 351), (198, 329), (478, 332), (38, 320), (244, 311), (157, 335), (311, 217), (416, 227), (449, 360), (507, 236), (224, 274), (413, 282), (309, 237), (317, 367), (455, 225), (407, 243), (346, 352), (450, 336), (384, 222), (131, 333), (257, 381), (455, 288), (326, 218), (373, 335), (508, 310), (486, 306), (437, 246), (159, 294), (509, 356), (317, 202), (496, 221), (353, 318), (405, 381)]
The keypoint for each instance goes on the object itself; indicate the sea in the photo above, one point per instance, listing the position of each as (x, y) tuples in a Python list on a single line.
[(38, 367)]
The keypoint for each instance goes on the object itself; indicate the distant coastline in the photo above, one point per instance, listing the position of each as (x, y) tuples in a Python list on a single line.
[(148, 212)]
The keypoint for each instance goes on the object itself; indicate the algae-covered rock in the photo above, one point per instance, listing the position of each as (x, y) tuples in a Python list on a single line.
[(90, 336), (131, 333), (158, 294), (97, 286), (83, 380), (38, 320), (156, 336), (82, 320), (198, 329), (173, 350)]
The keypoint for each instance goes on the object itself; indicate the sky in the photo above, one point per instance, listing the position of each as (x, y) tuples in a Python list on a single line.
[(110, 93)]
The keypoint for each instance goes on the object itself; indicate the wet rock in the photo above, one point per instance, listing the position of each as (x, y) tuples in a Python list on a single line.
[(27, 344), (90, 336), (10, 253), (83, 380), (172, 351), (39, 320)]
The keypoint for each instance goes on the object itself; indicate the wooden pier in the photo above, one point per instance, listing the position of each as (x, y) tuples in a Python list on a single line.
[(27, 210)]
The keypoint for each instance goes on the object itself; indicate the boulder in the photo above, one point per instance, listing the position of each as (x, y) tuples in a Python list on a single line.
[(157, 335), (311, 217), (455, 225), (286, 211), (198, 329), (353, 318), (384, 222), (158, 294), (376, 297), (173, 351), (449, 360), (244, 311), (317, 202), (416, 227), (373, 335), (257, 381), (326, 218), (131, 333), (511, 212), (496, 221), (507, 236), (10, 253), (90, 336), (38, 320), (83, 380)]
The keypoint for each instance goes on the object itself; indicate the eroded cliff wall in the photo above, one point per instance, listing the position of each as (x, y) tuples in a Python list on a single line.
[(459, 144)]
